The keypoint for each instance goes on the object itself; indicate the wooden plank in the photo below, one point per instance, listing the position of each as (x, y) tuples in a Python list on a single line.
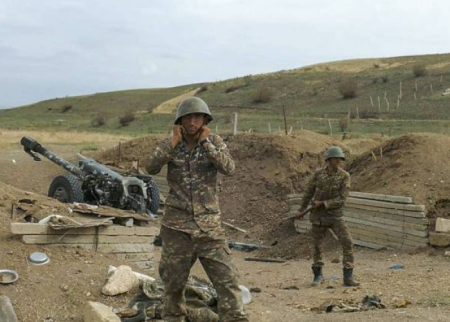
[(84, 239), (294, 196), (364, 213), (112, 248), (115, 230), (294, 201), (373, 218), (384, 232), (368, 244), (381, 197), (382, 237), (7, 313), (136, 257), (406, 213), (386, 227), (383, 204), (388, 243), (125, 248)]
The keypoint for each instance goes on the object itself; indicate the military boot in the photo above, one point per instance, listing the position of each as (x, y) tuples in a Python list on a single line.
[(348, 277), (318, 276)]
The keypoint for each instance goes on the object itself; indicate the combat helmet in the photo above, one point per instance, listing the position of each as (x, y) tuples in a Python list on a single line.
[(334, 152), (192, 105)]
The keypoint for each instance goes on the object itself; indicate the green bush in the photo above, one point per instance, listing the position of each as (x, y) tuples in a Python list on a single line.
[(127, 118), (262, 95), (419, 70), (348, 89)]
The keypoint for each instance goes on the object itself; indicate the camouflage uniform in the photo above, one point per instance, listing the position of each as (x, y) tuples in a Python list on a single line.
[(191, 226), (332, 189)]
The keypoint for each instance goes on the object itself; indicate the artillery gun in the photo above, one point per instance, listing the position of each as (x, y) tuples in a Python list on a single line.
[(93, 183)]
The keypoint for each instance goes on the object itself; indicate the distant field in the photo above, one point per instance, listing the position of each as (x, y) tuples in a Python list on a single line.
[(389, 100)]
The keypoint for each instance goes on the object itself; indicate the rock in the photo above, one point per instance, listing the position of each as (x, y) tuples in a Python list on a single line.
[(7, 313), (439, 239), (98, 312), (121, 281), (442, 225)]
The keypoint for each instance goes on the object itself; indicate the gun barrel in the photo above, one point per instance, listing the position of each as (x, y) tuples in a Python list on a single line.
[(30, 144)]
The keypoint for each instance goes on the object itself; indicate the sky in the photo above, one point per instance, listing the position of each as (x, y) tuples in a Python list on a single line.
[(58, 48)]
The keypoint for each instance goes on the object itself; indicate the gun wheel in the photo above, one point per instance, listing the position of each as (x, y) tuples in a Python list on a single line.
[(66, 188)]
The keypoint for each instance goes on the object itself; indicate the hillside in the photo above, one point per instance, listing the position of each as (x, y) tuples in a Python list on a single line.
[(310, 96)]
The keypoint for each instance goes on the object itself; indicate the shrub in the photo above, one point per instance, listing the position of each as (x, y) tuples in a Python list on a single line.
[(385, 79), (127, 118), (375, 80), (66, 108), (419, 70), (262, 95), (232, 89), (348, 88), (99, 120), (202, 89), (376, 65)]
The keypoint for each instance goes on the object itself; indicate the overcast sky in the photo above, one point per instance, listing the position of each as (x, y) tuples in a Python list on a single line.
[(54, 48)]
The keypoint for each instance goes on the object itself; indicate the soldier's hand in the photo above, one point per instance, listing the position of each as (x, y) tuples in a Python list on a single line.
[(205, 132), (318, 204), (177, 135)]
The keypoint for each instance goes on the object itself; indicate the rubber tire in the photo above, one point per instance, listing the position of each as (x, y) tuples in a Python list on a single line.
[(69, 185), (154, 197)]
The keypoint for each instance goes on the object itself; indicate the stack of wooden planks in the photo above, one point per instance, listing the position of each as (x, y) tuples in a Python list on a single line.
[(377, 220), (132, 244)]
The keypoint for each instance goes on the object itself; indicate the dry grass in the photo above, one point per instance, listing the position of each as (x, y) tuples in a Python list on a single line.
[(11, 138)]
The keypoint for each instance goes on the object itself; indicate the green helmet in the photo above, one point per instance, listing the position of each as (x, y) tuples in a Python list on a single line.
[(192, 105), (334, 152)]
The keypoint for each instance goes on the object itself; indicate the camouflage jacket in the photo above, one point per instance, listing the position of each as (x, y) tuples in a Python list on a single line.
[(332, 189), (192, 202)]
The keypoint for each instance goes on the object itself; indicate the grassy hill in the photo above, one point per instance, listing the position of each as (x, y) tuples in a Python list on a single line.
[(310, 97)]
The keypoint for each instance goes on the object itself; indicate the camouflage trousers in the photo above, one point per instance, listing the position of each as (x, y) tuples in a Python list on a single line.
[(338, 226), (180, 251)]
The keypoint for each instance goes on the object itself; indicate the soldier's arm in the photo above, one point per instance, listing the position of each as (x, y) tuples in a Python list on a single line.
[(309, 193), (160, 157), (344, 190), (218, 154)]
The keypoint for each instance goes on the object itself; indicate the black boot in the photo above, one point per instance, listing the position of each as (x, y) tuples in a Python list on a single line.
[(318, 276), (348, 277)]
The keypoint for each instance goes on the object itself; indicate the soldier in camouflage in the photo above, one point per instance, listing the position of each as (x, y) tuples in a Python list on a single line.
[(191, 225), (328, 190)]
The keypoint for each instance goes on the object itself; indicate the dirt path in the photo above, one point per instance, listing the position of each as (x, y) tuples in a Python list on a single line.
[(168, 107)]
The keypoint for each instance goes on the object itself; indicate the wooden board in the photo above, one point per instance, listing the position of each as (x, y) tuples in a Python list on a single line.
[(385, 227), (367, 244), (406, 213), (114, 230), (364, 213), (112, 248), (381, 197), (396, 222), (365, 195), (84, 239), (385, 238), (389, 205)]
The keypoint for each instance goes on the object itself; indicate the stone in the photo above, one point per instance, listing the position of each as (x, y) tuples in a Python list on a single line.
[(442, 225), (7, 313), (98, 312), (439, 239), (121, 281)]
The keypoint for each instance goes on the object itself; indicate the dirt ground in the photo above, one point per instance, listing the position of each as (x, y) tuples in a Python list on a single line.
[(268, 167)]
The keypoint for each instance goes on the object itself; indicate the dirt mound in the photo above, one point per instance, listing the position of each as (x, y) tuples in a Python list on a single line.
[(414, 165), (267, 168)]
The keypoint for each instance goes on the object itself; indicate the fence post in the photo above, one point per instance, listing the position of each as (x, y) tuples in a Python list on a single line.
[(235, 122)]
